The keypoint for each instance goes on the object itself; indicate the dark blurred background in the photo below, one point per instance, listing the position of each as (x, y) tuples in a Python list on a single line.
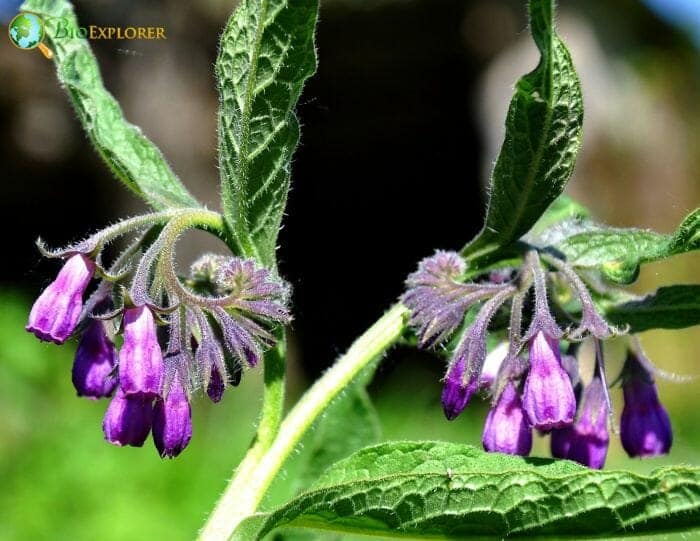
[(400, 127)]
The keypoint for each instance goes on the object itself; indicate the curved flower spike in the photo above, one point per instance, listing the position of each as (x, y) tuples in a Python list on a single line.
[(56, 312), (254, 290), (437, 300)]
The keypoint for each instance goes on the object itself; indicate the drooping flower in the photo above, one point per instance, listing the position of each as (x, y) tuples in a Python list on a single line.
[(587, 440), (462, 379), (140, 358), (128, 419), (56, 312), (457, 392), (645, 427), (95, 362), (507, 429), (172, 420), (548, 397)]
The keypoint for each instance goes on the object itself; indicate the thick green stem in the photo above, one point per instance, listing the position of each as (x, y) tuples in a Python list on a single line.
[(254, 475)]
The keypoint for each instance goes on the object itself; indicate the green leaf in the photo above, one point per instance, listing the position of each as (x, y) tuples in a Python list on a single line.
[(618, 253), (133, 158), (450, 490), (563, 209), (266, 54), (672, 307), (543, 136)]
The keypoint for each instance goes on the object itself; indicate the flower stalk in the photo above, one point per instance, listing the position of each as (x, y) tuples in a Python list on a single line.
[(260, 466)]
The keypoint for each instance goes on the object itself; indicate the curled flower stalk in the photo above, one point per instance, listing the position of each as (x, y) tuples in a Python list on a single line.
[(532, 384), (180, 334)]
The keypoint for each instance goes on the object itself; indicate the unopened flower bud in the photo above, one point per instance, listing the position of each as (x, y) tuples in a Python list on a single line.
[(56, 312), (215, 389), (457, 391)]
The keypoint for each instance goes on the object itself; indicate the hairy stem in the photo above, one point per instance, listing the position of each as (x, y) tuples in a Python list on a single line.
[(258, 469)]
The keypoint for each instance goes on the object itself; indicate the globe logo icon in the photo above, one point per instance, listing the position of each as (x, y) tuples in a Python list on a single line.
[(26, 30)]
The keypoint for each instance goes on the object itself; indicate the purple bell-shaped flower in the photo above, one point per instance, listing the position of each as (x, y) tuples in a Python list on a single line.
[(645, 428), (587, 440), (95, 362), (140, 358), (507, 429), (548, 397), (172, 421), (56, 312), (128, 420)]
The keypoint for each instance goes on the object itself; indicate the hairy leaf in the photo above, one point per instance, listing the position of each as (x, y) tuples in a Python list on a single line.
[(266, 54), (671, 307), (618, 253), (543, 136), (563, 209), (450, 490), (133, 158)]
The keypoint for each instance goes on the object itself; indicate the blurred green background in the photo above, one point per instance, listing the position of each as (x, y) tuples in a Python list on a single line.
[(401, 126)]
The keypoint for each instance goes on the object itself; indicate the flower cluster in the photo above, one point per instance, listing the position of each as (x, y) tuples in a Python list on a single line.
[(176, 338), (531, 383)]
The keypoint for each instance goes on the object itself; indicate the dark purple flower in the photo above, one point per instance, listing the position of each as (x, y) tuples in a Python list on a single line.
[(95, 362), (216, 386), (128, 420), (172, 420), (507, 429), (586, 442), (56, 312), (549, 397), (457, 390), (645, 428), (140, 358)]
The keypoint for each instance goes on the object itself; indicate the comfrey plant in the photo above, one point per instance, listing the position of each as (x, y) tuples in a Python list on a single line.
[(509, 311)]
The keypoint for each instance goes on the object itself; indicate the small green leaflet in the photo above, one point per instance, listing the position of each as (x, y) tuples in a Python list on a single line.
[(618, 253), (543, 136), (134, 159), (266, 54), (671, 307), (457, 491)]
